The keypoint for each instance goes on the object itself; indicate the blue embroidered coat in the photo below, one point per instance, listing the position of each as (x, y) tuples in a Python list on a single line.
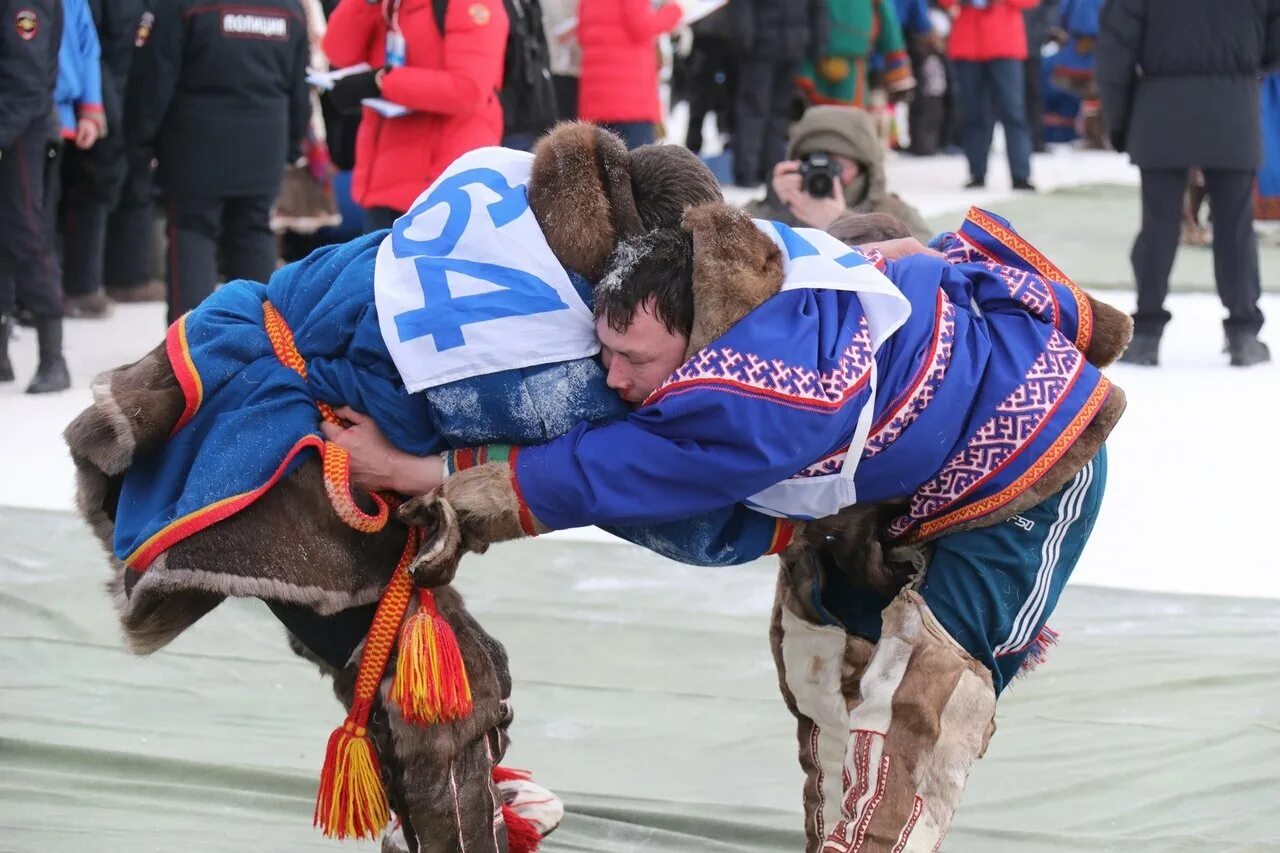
[(979, 393)]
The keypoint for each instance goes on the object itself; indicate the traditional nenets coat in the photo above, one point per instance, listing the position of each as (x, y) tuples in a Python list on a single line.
[(202, 470), (936, 428)]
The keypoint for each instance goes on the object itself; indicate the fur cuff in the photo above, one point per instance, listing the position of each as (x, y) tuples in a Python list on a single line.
[(474, 508)]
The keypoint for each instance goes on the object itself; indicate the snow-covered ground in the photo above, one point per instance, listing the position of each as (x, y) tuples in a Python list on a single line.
[(1194, 476)]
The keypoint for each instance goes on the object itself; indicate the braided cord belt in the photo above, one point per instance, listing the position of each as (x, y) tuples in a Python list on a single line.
[(430, 683)]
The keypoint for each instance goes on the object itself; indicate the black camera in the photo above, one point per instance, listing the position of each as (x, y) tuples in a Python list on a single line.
[(818, 174)]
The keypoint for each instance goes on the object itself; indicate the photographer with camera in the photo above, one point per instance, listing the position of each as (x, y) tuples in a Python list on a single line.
[(835, 166)]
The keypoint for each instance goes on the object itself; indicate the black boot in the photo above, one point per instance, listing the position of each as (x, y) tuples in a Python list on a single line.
[(6, 366), (1246, 349), (51, 374), (1144, 349)]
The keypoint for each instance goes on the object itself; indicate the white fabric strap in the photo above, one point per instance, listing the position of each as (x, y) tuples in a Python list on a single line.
[(810, 260)]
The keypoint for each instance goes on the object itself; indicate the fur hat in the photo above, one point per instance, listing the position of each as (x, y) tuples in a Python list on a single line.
[(589, 193)]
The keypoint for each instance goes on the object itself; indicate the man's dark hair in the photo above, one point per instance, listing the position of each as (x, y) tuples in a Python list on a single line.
[(657, 265)]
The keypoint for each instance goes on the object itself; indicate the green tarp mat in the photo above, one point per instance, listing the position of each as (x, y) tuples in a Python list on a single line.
[(645, 695)]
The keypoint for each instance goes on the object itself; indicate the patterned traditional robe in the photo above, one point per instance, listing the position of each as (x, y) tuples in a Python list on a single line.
[(981, 390)]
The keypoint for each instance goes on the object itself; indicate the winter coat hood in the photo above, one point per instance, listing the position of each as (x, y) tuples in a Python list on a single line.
[(850, 133)]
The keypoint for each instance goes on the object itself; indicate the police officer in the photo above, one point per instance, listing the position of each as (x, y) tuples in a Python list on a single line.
[(93, 178), (30, 34), (219, 94)]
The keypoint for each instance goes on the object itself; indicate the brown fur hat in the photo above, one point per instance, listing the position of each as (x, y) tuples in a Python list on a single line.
[(735, 269), (589, 193), (667, 180)]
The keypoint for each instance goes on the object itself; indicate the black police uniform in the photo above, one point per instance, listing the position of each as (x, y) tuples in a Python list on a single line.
[(30, 33), (92, 180), (219, 93)]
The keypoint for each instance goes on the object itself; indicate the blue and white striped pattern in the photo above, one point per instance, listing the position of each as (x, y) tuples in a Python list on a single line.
[(1070, 507)]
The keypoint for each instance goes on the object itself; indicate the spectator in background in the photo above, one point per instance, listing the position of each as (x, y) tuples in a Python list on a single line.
[(859, 29), (773, 38), (528, 94), (619, 85), (129, 264), (81, 121), (449, 76), (926, 48), (93, 177), (1267, 203), (1179, 81), (220, 95), (988, 45), (560, 21), (847, 136), (1041, 23), (712, 72), (1074, 66), (30, 36)]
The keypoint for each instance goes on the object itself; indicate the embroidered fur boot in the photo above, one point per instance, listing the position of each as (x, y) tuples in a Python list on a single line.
[(818, 667), (925, 714)]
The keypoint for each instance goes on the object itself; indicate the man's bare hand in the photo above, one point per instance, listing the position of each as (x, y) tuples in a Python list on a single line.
[(86, 133), (901, 248), (814, 212), (377, 465)]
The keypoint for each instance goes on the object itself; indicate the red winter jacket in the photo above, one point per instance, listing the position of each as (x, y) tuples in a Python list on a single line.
[(996, 32), (620, 58), (451, 83)]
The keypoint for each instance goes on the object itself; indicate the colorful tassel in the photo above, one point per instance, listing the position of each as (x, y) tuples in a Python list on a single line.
[(1038, 653), (431, 683), (351, 802), (522, 835)]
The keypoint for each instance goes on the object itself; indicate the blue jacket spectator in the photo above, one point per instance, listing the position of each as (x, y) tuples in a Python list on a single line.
[(79, 91)]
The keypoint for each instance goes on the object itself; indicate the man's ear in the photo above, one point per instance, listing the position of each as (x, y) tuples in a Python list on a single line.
[(580, 193), (735, 269)]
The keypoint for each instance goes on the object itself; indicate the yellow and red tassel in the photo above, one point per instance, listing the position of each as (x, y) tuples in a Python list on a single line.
[(351, 802), (431, 683)]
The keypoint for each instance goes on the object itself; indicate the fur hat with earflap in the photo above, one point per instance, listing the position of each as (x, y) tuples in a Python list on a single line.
[(589, 193)]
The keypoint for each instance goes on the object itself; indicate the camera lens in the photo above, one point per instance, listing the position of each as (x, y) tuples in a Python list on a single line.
[(819, 185)]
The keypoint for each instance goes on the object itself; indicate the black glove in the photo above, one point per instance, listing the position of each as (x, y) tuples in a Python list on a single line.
[(348, 92)]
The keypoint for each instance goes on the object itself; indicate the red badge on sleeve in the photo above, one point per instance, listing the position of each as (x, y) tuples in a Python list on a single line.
[(27, 23)]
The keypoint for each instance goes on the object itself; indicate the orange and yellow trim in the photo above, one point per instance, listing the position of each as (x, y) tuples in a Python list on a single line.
[(184, 368), (783, 532), (193, 522), (1042, 265), (1029, 478)]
